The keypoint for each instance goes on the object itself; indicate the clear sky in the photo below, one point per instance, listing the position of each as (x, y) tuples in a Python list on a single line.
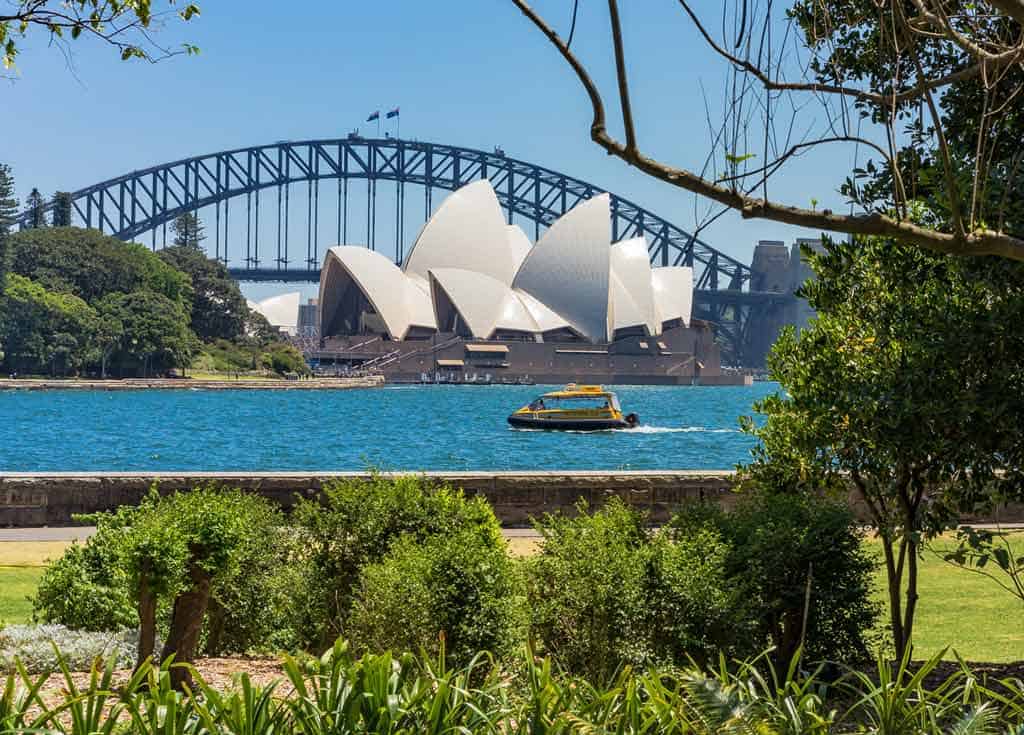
[(464, 72)]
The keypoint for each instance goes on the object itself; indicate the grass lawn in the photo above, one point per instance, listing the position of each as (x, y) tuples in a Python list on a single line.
[(226, 377), (16, 584), (958, 609), (964, 611), (21, 566)]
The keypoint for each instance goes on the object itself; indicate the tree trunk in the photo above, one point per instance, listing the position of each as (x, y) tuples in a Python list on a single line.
[(894, 584), (186, 623), (147, 620), (911, 608)]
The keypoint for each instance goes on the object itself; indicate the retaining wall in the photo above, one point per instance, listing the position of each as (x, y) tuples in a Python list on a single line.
[(52, 499)]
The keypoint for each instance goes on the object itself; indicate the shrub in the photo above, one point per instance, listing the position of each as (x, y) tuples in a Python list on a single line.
[(587, 589), (355, 523), (461, 587), (144, 557), (691, 609), (88, 588), (778, 543), (33, 646)]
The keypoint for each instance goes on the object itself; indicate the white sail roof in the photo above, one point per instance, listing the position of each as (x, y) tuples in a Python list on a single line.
[(568, 269), (280, 311), (485, 303), (399, 301), (467, 231), (673, 292), (518, 244), (632, 292), (546, 319)]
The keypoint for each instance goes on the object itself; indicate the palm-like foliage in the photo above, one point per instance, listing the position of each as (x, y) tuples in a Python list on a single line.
[(338, 694)]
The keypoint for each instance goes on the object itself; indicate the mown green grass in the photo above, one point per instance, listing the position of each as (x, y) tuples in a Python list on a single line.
[(16, 584), (959, 610), (963, 611)]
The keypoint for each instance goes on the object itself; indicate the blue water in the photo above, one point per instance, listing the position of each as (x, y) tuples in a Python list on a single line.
[(391, 428)]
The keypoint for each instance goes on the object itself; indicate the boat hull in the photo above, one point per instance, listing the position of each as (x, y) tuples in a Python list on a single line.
[(567, 424)]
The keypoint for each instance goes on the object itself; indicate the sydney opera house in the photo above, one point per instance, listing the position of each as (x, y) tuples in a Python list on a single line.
[(475, 301)]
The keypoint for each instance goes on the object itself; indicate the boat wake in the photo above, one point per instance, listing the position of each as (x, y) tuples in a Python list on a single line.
[(645, 429), (642, 429)]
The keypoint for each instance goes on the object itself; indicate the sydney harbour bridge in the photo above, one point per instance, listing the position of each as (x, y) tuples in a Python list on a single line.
[(281, 205)]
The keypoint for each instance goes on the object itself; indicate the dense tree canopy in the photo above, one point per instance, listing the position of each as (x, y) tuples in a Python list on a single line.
[(218, 309), (43, 328), (152, 331), (92, 265)]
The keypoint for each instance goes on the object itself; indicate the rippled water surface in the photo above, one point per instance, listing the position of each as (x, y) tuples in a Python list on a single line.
[(394, 427)]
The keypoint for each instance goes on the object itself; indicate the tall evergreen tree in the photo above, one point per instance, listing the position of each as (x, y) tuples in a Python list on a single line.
[(61, 209), (37, 209), (8, 202), (188, 230)]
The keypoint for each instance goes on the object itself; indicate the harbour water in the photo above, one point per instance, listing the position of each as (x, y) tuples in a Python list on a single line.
[(390, 428)]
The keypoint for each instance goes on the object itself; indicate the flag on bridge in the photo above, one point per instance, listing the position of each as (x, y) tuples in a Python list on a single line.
[(392, 113), (373, 116)]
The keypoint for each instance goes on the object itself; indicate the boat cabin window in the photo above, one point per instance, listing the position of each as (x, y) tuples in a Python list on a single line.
[(580, 403)]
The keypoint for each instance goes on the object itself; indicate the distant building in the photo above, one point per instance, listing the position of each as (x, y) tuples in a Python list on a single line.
[(309, 319)]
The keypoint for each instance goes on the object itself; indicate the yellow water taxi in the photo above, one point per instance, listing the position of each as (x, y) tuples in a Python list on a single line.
[(575, 407)]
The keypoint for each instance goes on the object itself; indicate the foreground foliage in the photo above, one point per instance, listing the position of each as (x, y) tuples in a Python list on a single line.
[(384, 693), (403, 564), (909, 384)]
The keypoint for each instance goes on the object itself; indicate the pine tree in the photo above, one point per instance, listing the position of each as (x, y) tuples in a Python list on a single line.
[(8, 202), (188, 230), (37, 210), (61, 209), (8, 214)]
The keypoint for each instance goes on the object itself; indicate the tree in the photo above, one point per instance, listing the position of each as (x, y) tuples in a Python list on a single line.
[(218, 309), (61, 216), (8, 213), (36, 210), (927, 47), (126, 25), (155, 333), (188, 230), (42, 330), (909, 384), (93, 265)]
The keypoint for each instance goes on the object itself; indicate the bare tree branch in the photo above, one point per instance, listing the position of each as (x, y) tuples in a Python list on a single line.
[(981, 241)]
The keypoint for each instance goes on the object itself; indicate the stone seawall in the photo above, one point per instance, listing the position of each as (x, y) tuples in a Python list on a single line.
[(51, 499)]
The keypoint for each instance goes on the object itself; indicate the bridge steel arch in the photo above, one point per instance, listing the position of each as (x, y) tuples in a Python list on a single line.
[(130, 205)]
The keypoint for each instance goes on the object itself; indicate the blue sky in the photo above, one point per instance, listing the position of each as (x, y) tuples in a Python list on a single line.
[(465, 72)]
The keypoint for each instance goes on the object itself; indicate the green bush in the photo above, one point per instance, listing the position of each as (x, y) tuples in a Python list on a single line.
[(460, 587), (356, 523), (779, 542), (83, 590), (587, 589), (241, 540), (692, 610)]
